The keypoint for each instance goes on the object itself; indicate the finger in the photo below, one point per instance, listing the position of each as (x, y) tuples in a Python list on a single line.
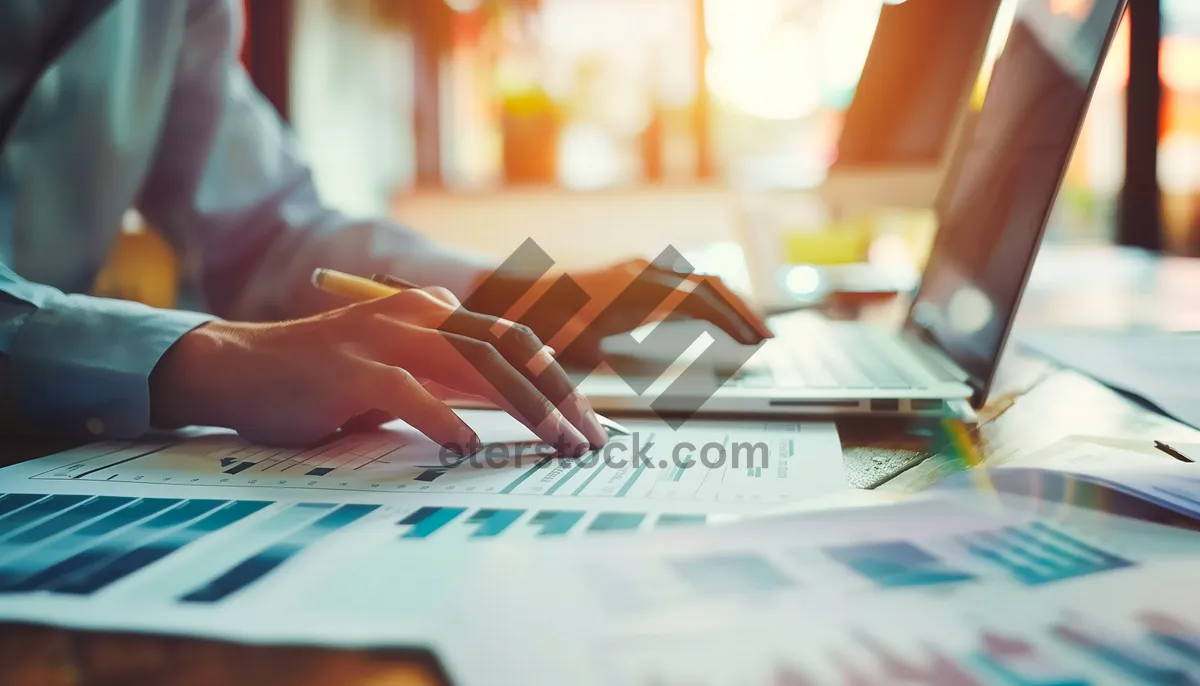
[(443, 294), (367, 421), (526, 354), (474, 367), (453, 398), (700, 299), (396, 392), (743, 310)]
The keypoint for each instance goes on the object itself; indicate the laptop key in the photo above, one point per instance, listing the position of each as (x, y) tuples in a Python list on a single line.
[(845, 371), (875, 352)]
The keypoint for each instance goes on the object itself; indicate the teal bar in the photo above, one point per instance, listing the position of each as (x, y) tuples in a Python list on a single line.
[(681, 520), (587, 481), (629, 484), (426, 521), (493, 522), (566, 477), (617, 521), (521, 479), (556, 522), (680, 470)]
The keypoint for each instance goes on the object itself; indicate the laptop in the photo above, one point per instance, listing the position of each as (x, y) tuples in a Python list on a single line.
[(909, 109), (992, 214)]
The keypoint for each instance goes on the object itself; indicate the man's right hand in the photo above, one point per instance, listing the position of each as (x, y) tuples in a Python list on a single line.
[(296, 382)]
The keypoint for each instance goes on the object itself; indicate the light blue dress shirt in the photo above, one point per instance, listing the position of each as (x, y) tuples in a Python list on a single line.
[(150, 109)]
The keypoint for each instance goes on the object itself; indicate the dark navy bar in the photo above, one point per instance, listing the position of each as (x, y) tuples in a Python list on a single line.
[(15, 501), (240, 467), (320, 471), (69, 519), (43, 508), (80, 580), (102, 527), (146, 555), (251, 570)]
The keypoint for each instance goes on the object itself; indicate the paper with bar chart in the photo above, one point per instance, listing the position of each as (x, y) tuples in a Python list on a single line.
[(739, 465), (926, 593), (943, 548), (211, 527), (1151, 642)]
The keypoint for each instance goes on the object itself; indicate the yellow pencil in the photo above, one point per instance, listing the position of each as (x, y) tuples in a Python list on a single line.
[(351, 286)]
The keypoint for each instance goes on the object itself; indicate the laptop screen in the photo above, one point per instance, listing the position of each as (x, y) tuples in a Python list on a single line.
[(918, 74), (995, 205)]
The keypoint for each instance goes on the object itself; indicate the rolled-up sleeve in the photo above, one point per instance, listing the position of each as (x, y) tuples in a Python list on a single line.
[(229, 187), (80, 366)]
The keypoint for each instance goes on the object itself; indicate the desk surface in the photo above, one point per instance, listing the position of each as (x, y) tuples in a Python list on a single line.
[(1033, 405)]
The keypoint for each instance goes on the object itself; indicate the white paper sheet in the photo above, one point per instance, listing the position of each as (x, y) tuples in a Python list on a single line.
[(706, 467), (1150, 477), (931, 585), (1161, 367), (366, 540)]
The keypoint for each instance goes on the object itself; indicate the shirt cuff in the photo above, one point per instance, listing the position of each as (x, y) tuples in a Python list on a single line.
[(81, 365)]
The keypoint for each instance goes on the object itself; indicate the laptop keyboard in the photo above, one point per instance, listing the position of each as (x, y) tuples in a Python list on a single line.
[(837, 358)]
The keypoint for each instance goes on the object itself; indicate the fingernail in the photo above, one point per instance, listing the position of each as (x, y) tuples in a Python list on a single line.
[(592, 428), (467, 443)]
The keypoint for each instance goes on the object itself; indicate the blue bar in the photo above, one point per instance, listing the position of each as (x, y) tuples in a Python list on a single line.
[(255, 568), (617, 521), (722, 574), (1137, 663), (427, 520), (566, 477), (629, 484), (319, 471), (240, 467), (1187, 646), (556, 522), (597, 465), (79, 580), (681, 469), (139, 558), (493, 522), (897, 564), (41, 509), (15, 501), (519, 480), (681, 520), (69, 519), (19, 580), (1039, 554), (139, 510)]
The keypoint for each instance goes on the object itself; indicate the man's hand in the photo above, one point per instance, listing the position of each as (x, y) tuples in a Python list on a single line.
[(614, 300), (402, 356)]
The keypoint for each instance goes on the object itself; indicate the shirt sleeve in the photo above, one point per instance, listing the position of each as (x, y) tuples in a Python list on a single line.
[(229, 188), (74, 365), (70, 365)]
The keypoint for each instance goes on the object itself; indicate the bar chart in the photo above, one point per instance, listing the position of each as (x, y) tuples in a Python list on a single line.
[(653, 463), (1066, 653), (1030, 555), (463, 523), (79, 545)]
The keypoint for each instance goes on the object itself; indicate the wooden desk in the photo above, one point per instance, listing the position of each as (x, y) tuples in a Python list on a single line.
[(1034, 404)]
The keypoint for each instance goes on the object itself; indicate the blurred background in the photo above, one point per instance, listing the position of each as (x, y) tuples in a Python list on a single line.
[(605, 128)]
